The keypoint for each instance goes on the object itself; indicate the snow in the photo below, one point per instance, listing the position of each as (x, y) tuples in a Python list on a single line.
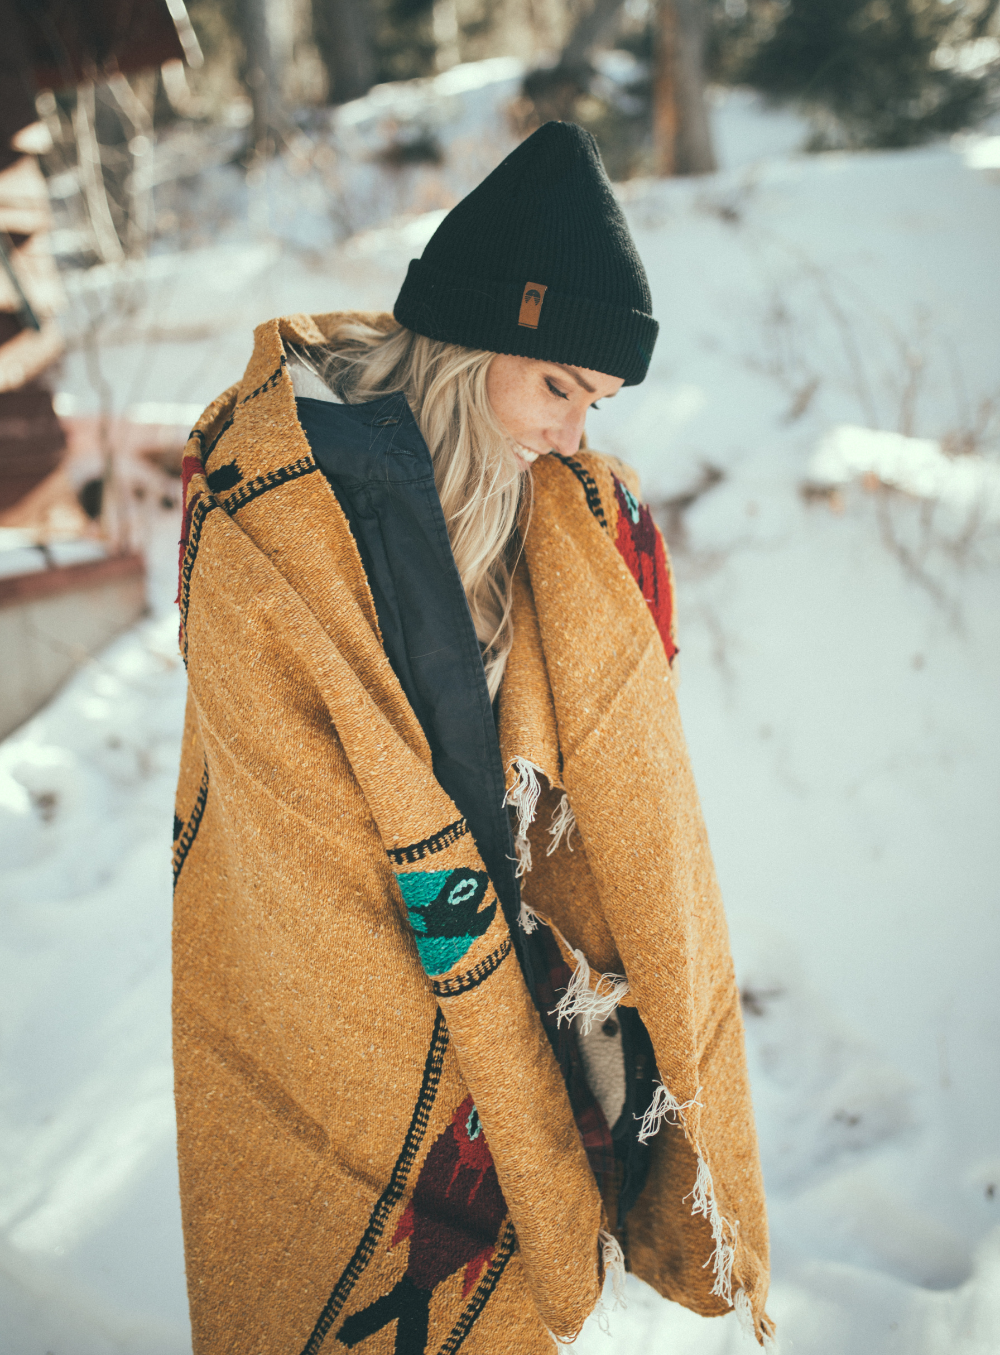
[(916, 465), (829, 332), (983, 152), (90, 1258)]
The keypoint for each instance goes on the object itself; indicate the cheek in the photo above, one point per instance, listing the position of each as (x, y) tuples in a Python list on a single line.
[(502, 395), (522, 412), (532, 415)]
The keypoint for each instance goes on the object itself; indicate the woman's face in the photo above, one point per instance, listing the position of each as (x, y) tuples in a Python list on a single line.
[(543, 405)]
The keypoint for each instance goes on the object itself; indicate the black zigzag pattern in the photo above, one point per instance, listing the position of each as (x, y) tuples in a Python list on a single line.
[(590, 489), (504, 1251), (271, 381), (251, 490), (472, 978), (216, 440), (202, 508), (393, 1192), (267, 385), (189, 831), (254, 488), (416, 851)]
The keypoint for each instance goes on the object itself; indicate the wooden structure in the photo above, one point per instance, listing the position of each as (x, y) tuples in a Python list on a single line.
[(53, 620)]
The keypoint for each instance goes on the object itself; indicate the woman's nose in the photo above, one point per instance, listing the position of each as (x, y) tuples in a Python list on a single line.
[(565, 438)]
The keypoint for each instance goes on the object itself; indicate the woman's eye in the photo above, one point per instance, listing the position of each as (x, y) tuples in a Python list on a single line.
[(595, 405), (555, 389)]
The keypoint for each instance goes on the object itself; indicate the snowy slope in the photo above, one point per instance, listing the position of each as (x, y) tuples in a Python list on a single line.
[(839, 668)]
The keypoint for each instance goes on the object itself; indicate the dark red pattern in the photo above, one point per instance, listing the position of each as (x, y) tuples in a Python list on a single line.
[(453, 1220), (641, 547), (455, 1214)]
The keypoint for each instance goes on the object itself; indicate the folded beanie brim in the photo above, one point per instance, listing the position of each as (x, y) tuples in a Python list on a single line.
[(483, 313)]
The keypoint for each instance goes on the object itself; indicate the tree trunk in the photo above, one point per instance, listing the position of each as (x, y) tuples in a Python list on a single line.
[(446, 34), (261, 74), (590, 29), (682, 137), (343, 36), (984, 18)]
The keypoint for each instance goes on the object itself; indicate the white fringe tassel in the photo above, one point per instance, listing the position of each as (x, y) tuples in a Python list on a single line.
[(563, 825), (589, 1004), (664, 1106), (523, 795), (562, 1340), (522, 850), (723, 1232), (744, 1316), (528, 919), (614, 1265)]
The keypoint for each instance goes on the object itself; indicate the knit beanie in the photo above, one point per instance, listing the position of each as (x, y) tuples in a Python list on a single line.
[(538, 261)]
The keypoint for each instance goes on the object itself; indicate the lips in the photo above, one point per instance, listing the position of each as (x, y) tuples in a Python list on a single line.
[(525, 453)]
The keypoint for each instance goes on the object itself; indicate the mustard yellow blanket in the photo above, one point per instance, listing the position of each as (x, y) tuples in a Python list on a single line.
[(376, 1145)]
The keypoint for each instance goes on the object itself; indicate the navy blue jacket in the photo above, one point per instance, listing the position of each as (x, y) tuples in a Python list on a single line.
[(380, 469)]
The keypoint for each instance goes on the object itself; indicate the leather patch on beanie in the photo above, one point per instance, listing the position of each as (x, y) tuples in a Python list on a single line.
[(531, 304)]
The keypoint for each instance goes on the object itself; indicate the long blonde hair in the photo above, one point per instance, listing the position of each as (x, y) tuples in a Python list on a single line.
[(478, 479)]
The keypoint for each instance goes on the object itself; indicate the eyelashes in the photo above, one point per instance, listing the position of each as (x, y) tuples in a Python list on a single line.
[(562, 394)]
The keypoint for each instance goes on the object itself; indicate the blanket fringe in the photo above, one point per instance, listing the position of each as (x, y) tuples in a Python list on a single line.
[(745, 1317), (665, 1106), (522, 852), (723, 1232), (527, 918), (587, 1003), (563, 825), (523, 796), (597, 1003), (614, 1265), (744, 1313)]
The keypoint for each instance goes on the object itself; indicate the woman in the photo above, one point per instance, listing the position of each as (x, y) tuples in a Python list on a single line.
[(456, 1023)]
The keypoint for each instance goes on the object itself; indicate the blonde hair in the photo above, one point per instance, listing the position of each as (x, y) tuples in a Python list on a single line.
[(478, 479)]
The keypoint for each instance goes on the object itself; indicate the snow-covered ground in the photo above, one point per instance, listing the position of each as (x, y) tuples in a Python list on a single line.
[(839, 670)]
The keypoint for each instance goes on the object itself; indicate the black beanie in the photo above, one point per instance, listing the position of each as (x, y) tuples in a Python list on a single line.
[(538, 261)]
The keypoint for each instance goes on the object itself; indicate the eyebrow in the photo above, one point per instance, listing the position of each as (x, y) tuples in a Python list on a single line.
[(578, 379)]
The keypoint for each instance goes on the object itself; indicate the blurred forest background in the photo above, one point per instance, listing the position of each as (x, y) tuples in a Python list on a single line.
[(262, 76), (304, 122)]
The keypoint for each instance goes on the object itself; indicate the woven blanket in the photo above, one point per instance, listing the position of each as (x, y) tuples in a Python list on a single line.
[(376, 1145)]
